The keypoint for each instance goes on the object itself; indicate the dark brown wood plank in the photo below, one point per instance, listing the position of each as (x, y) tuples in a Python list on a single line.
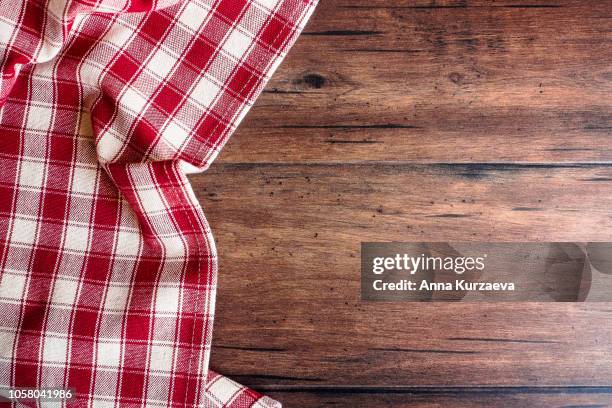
[(458, 82), (262, 204), (466, 399), (289, 309)]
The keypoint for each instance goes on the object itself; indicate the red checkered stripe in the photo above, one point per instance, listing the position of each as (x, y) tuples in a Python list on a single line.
[(107, 263)]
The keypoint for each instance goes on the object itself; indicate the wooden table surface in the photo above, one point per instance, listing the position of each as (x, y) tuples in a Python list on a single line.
[(416, 121)]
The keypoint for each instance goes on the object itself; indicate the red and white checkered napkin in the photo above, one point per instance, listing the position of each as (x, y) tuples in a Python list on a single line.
[(108, 267)]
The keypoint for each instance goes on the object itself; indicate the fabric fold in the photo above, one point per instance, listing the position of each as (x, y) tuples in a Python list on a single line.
[(43, 27), (222, 392), (107, 263)]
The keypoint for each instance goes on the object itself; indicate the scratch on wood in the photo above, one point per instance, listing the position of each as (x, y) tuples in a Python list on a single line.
[(532, 6), (454, 6), (278, 91), (449, 216), (584, 406), (277, 377), (332, 141), (381, 126), (433, 6), (568, 149), (435, 351), (262, 349), (596, 127), (377, 50), (496, 340), (342, 33)]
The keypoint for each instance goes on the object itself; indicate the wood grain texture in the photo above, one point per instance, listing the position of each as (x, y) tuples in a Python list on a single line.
[(485, 81), (416, 120), (446, 398)]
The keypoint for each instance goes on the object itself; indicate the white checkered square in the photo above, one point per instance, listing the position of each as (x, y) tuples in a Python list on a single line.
[(65, 291), (55, 349), (133, 101), (109, 145), (167, 299), (151, 200), (6, 31), (237, 44), (84, 180), (267, 5), (193, 15), (161, 63), (24, 231), (116, 297), (128, 243), (118, 36), (77, 237), (205, 92), (39, 118), (12, 286), (32, 174), (175, 135), (109, 353), (161, 358), (6, 338), (224, 390)]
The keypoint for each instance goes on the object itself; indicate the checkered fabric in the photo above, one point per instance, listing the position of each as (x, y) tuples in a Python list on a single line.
[(107, 264)]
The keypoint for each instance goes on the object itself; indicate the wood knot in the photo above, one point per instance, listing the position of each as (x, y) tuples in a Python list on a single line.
[(456, 78), (314, 80)]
